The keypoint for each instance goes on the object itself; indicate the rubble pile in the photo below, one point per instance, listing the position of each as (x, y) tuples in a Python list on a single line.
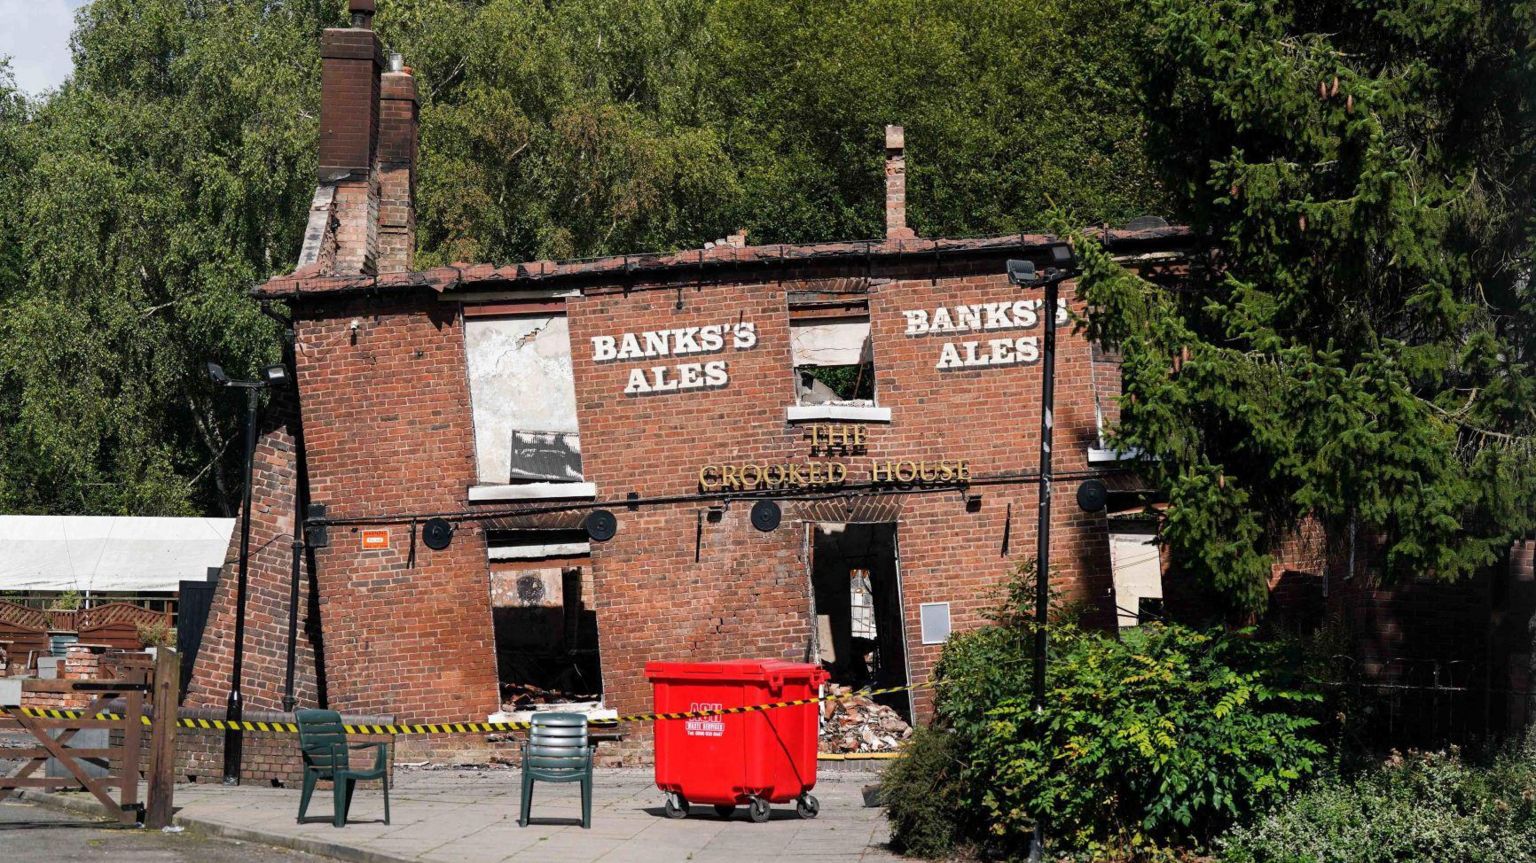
[(525, 696), (858, 724)]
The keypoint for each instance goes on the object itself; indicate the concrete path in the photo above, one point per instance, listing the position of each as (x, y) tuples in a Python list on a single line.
[(470, 816)]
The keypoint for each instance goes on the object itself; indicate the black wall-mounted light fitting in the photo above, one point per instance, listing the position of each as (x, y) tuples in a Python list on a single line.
[(601, 525), (436, 533), (766, 515)]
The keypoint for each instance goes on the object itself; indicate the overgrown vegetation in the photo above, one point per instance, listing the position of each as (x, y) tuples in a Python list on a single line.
[(1415, 807), (67, 600), (1160, 737), (156, 634), (1356, 348)]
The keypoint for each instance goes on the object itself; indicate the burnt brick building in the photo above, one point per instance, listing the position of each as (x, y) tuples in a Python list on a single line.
[(884, 393)]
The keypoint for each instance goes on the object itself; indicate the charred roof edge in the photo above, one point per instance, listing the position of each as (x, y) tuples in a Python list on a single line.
[(306, 283)]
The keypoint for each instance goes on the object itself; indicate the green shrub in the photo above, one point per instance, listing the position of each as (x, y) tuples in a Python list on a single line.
[(1162, 736), (1156, 736), (923, 797), (1422, 807)]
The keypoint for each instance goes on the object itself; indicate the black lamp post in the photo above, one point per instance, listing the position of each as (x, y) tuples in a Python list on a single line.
[(234, 707), (1023, 273)]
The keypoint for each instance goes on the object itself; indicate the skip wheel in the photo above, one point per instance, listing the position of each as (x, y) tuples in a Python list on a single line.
[(677, 805), (807, 806), (725, 810), (758, 810)]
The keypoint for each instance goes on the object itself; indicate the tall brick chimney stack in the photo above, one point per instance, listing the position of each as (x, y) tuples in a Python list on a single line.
[(896, 185), (398, 118), (351, 59)]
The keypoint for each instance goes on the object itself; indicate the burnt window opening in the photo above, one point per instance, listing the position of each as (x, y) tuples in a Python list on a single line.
[(544, 618), (833, 356), (837, 384)]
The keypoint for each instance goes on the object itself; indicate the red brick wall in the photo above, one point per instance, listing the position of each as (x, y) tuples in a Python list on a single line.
[(749, 593), (79, 663), (270, 573), (387, 431)]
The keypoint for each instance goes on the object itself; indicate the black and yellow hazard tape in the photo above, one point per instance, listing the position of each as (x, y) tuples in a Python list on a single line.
[(460, 727)]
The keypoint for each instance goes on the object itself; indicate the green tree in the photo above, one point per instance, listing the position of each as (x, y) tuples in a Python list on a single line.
[(140, 201), (1356, 346), (589, 127), (1007, 107), (157, 186)]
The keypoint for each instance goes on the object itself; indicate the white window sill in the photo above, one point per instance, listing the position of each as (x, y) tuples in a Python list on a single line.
[(850, 413), (532, 491), (1097, 455)]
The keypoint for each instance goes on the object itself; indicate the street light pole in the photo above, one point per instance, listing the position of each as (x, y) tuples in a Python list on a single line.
[(1023, 273), (1043, 532), (234, 708)]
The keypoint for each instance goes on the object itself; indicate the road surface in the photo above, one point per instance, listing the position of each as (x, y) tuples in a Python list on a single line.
[(30, 833)]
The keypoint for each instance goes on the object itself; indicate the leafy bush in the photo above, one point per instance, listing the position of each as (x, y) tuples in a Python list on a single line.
[(1414, 808), (924, 799), (156, 634), (1163, 735), (1154, 736)]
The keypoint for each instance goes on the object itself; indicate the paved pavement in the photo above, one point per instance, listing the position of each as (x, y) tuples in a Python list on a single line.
[(34, 834), (470, 816)]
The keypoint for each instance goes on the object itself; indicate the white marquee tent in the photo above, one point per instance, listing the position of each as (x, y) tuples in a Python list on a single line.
[(98, 554)]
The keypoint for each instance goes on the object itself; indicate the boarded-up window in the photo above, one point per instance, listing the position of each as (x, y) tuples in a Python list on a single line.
[(524, 399)]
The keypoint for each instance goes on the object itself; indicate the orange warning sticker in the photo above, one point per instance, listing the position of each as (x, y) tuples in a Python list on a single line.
[(374, 539)]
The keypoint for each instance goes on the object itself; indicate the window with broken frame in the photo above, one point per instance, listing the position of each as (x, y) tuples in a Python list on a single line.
[(523, 395), (832, 353)]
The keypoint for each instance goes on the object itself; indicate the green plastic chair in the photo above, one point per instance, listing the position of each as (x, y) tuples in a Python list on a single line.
[(557, 750), (323, 742)]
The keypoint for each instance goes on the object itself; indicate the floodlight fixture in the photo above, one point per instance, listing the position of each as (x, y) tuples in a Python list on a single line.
[(275, 376), (1022, 272), (217, 375)]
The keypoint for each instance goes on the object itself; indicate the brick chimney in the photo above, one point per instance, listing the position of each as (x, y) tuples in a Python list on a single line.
[(351, 59), (896, 185), (398, 118)]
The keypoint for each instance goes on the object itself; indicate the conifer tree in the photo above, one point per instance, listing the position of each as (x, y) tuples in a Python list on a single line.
[(1355, 347)]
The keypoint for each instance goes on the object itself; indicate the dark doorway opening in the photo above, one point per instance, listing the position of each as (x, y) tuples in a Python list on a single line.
[(545, 625), (856, 586)]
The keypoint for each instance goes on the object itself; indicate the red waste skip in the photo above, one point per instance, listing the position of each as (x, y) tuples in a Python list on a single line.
[(757, 758)]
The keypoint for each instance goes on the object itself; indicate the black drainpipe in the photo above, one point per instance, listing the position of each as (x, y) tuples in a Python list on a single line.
[(300, 504)]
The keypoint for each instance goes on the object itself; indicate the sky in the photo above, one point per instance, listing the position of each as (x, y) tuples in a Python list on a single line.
[(35, 35)]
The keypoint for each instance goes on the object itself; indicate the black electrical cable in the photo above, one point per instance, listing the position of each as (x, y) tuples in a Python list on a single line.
[(860, 489)]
